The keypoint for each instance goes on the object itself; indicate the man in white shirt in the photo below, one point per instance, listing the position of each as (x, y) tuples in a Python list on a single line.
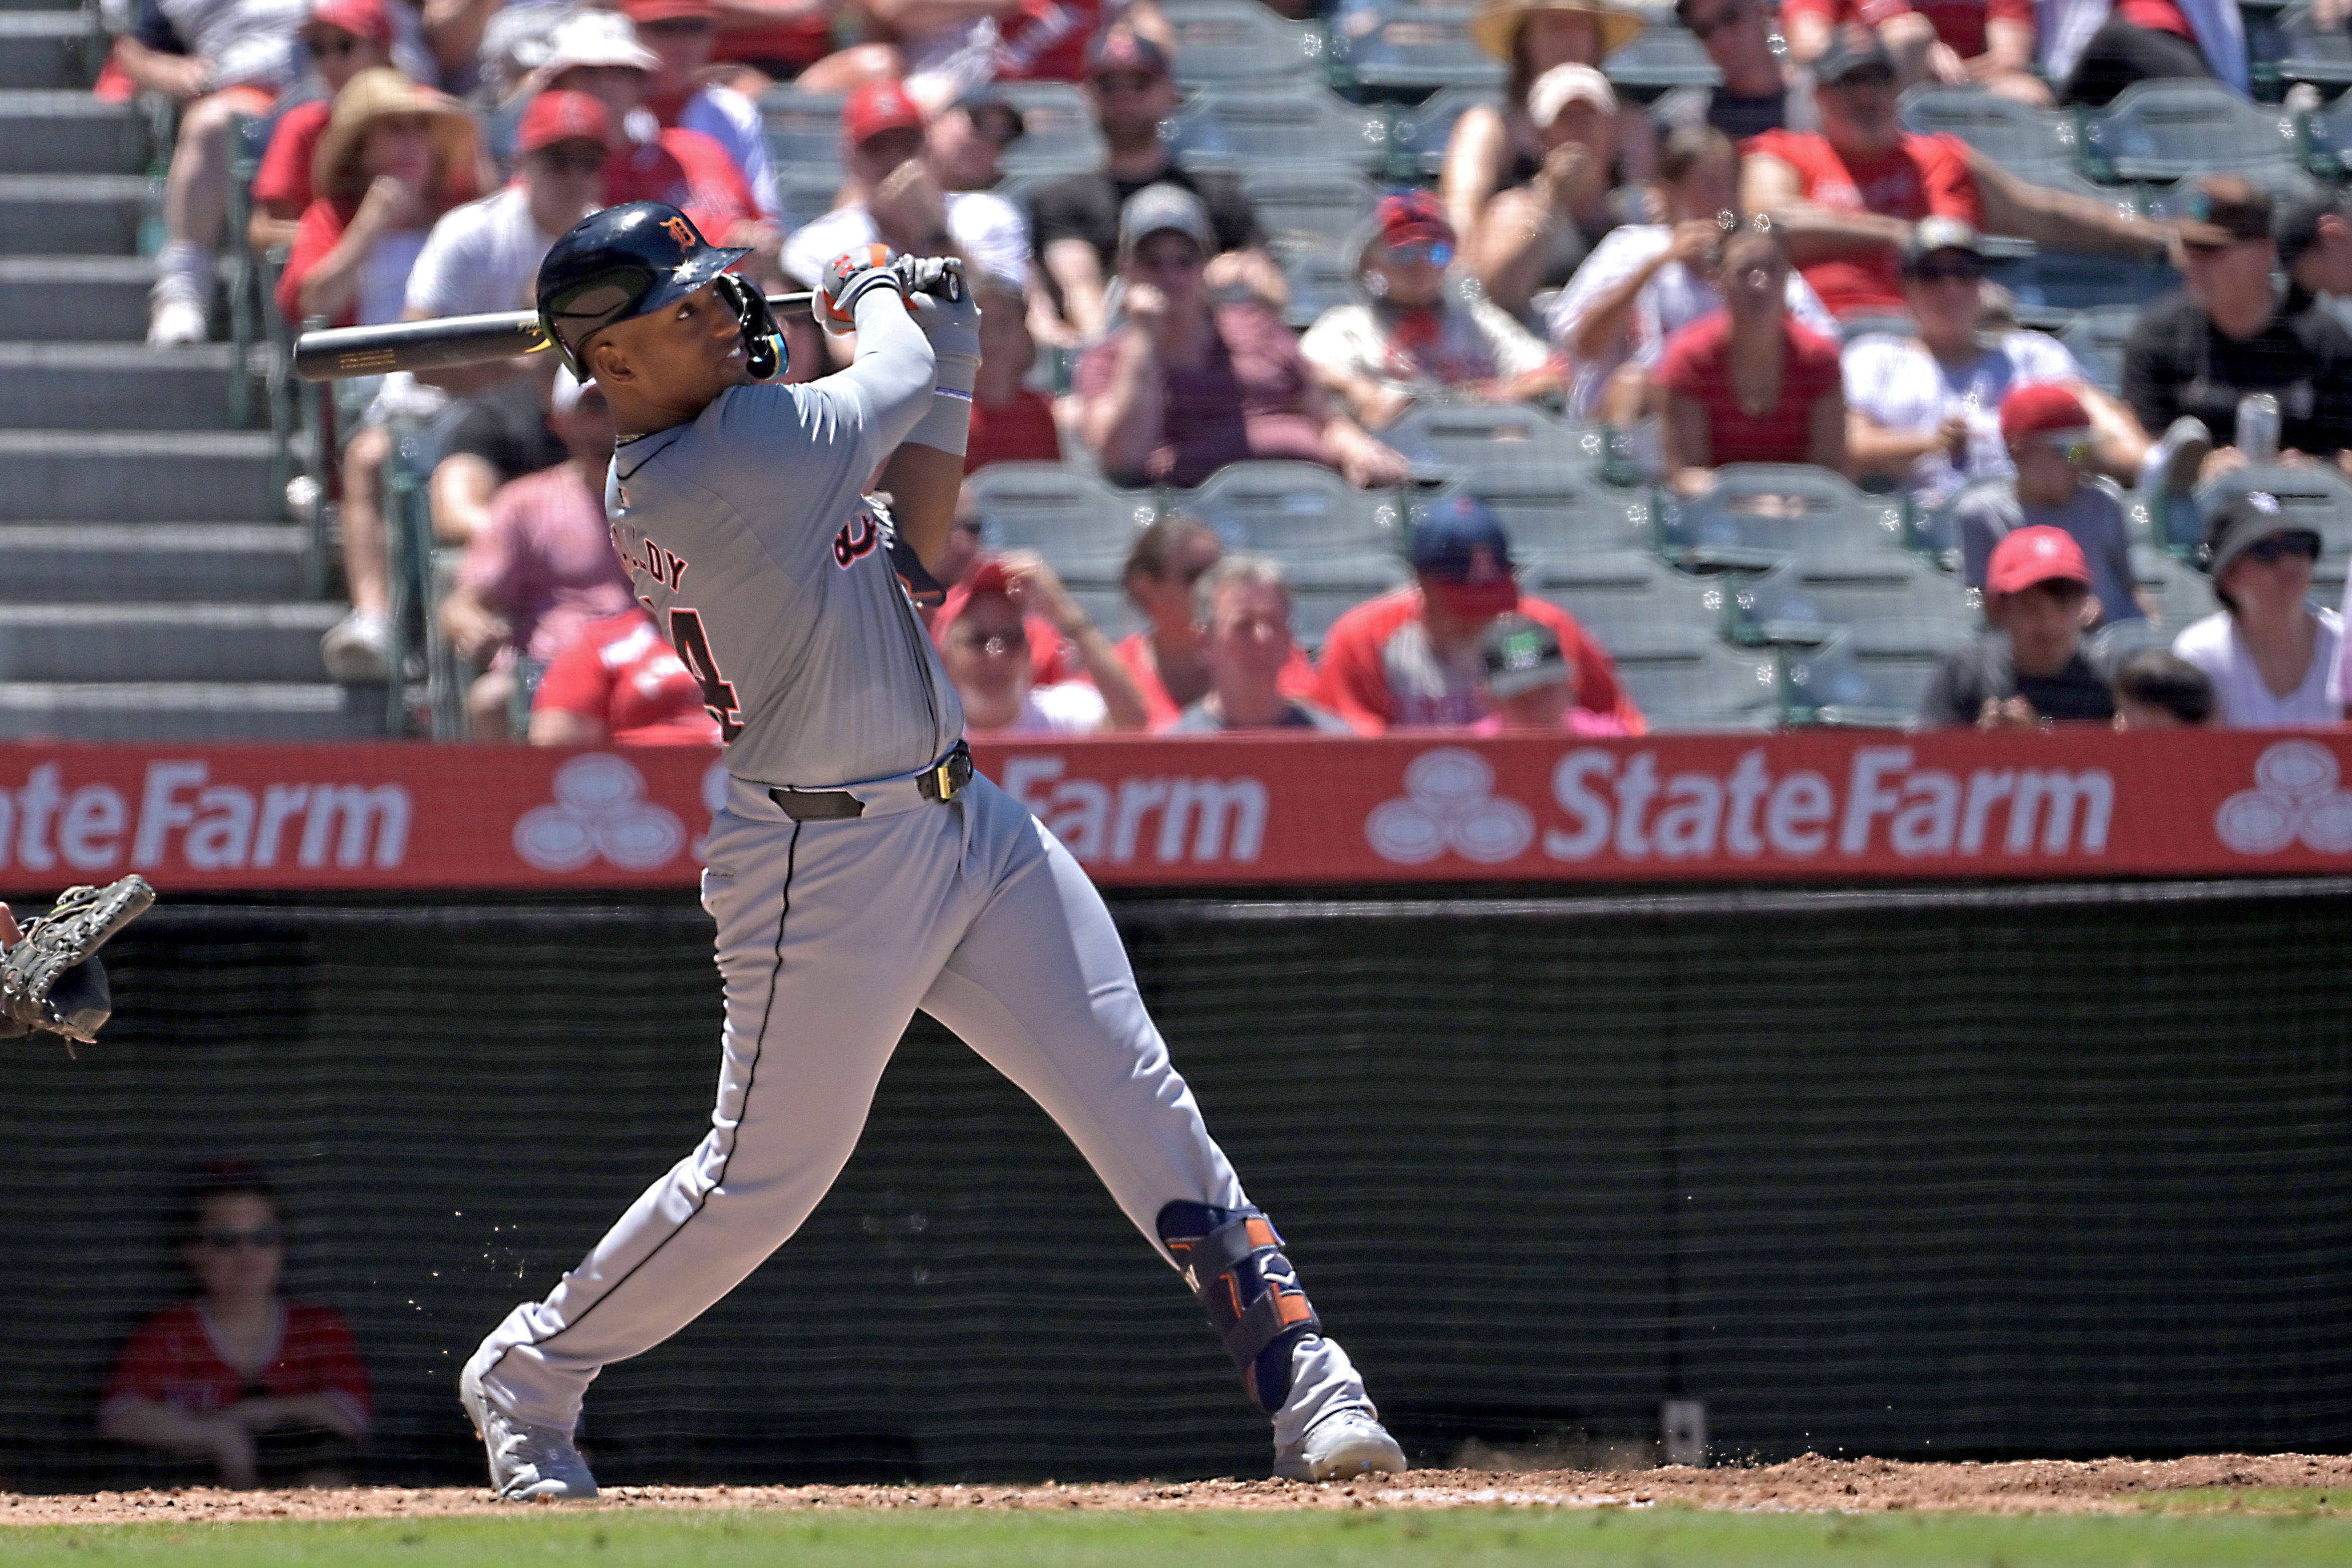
[(1925, 410), (482, 257), (681, 34)]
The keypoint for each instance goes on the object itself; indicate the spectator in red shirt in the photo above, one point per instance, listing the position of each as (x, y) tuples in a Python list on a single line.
[(987, 654), (1987, 41), (1186, 385), (1011, 422), (260, 1387), (1847, 198), (1416, 656), (1170, 658), (1748, 385), (544, 567), (342, 38), (617, 680)]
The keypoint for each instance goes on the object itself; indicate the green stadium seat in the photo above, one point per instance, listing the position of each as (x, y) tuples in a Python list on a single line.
[(2165, 129), (1625, 595), (2112, 644), (2179, 592), (2032, 143), (1308, 208), (2095, 337), (1684, 678), (1318, 279), (2283, 181), (2306, 52), (1242, 126), (1760, 510), (1662, 56), (1060, 136), (803, 128), (1325, 532), (1220, 42), (1407, 52), (1078, 523), (1422, 132), (1807, 599), (2328, 140), (1872, 676), (1496, 451)]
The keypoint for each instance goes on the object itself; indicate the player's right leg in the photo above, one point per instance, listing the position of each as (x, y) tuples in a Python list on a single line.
[(824, 945), (1041, 987)]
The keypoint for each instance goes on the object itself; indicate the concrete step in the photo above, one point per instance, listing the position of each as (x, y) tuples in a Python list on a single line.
[(163, 642), (51, 214), (189, 710), (194, 476), (42, 48), (115, 563), (113, 386), (82, 299), (48, 132)]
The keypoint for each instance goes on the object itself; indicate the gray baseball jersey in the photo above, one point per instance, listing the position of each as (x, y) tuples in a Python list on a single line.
[(746, 535)]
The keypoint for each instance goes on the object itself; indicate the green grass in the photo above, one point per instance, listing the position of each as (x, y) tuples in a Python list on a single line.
[(1468, 1538)]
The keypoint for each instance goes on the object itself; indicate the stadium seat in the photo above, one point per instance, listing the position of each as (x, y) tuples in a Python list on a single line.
[(1422, 130), (1625, 595), (1872, 676), (2051, 286), (2321, 55), (1406, 52), (2177, 592), (2117, 641), (1318, 281), (2165, 129), (1308, 208), (806, 193), (1224, 41), (2328, 140), (2316, 497), (1662, 56), (1260, 125), (1760, 510), (2282, 180), (1684, 679), (1079, 524), (1060, 136), (1446, 439), (2097, 338), (1325, 532), (2032, 143), (803, 128), (1806, 600)]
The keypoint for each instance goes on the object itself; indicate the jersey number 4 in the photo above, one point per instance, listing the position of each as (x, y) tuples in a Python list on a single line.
[(693, 644)]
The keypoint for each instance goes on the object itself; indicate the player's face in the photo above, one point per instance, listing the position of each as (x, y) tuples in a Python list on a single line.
[(239, 1249), (665, 367)]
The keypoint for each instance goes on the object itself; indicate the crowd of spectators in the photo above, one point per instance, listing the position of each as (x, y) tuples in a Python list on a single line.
[(1773, 269)]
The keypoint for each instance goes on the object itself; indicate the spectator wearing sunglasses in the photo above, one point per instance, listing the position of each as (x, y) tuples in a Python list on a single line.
[(1409, 338), (1923, 410), (341, 39), (1849, 197), (257, 1387), (2191, 357), (2274, 659), (2046, 434), (2029, 672)]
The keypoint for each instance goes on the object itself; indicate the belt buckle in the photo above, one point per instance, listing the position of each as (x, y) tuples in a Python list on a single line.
[(943, 779)]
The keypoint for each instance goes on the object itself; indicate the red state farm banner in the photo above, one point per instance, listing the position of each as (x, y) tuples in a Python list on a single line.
[(1244, 809)]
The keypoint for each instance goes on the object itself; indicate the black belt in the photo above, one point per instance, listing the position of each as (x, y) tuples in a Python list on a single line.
[(942, 781)]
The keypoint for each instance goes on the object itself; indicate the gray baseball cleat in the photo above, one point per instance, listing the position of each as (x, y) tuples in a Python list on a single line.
[(527, 1463), (1347, 1442)]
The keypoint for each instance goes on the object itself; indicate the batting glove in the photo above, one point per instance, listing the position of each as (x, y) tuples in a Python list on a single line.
[(849, 278), (943, 306)]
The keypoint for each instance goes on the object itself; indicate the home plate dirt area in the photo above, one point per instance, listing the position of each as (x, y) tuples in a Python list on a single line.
[(1810, 1484)]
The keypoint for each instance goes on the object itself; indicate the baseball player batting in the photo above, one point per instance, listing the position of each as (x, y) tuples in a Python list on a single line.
[(860, 868)]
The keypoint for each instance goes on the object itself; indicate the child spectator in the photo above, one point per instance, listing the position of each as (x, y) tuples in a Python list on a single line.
[(2273, 657), (2048, 435), (1748, 385), (1531, 685), (342, 38), (544, 567), (2029, 672), (258, 1386), (1186, 384), (1411, 337), (617, 681), (1011, 422), (1242, 607), (2158, 689), (1416, 656), (987, 655)]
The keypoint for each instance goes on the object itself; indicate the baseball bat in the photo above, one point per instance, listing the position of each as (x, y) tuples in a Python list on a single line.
[(334, 353)]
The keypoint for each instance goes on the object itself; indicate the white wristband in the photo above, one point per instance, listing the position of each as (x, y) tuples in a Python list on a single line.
[(947, 424)]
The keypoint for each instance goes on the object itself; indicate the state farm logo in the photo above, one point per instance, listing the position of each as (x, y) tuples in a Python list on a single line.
[(1449, 803), (600, 809), (2294, 800)]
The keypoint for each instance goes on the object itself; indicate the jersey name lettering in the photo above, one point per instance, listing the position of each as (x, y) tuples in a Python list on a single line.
[(645, 556)]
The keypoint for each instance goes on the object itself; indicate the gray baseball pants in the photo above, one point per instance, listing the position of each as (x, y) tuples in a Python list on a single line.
[(831, 935)]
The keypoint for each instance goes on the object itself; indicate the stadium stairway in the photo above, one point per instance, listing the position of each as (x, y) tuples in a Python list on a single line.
[(151, 587)]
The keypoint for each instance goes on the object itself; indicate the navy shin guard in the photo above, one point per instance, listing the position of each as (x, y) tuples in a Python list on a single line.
[(1232, 1260)]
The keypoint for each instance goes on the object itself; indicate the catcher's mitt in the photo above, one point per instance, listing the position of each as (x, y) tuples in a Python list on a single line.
[(49, 980)]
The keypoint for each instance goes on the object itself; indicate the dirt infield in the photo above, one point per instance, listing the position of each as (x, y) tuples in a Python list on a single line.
[(1810, 1484)]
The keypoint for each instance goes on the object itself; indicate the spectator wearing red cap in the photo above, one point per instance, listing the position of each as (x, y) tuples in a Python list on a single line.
[(1921, 408), (1748, 385), (893, 196), (1416, 656), (1409, 337), (2029, 670), (2047, 433), (342, 38), (681, 35), (988, 656), (1849, 196), (1076, 218), (617, 681)]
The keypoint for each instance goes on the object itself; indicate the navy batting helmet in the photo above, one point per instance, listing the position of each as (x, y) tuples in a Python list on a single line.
[(619, 264)]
